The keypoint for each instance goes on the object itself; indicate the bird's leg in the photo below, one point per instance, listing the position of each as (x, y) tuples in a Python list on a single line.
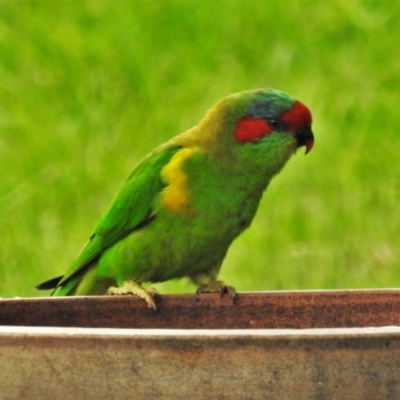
[(149, 295), (208, 284), (217, 287)]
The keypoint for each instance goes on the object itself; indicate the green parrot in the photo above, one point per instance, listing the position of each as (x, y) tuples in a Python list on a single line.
[(184, 204)]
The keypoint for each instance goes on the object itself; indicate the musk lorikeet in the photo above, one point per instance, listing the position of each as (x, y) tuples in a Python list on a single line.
[(185, 203)]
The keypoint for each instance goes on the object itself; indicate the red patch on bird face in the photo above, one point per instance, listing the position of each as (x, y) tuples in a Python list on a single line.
[(298, 116), (250, 129)]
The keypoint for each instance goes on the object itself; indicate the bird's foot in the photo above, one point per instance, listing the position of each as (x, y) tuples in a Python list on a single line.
[(217, 287), (149, 295)]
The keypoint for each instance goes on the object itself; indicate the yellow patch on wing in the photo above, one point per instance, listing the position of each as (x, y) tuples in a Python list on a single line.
[(175, 196)]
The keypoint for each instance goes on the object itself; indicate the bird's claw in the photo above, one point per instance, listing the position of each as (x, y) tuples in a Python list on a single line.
[(217, 287), (149, 295)]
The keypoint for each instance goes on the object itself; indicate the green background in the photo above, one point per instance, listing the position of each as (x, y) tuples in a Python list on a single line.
[(87, 88)]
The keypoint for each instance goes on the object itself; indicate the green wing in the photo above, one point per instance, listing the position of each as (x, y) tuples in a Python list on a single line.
[(131, 209)]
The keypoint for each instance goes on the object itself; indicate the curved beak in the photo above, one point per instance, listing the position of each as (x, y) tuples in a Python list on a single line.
[(305, 137)]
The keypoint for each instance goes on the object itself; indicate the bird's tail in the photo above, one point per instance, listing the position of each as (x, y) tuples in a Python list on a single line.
[(50, 284)]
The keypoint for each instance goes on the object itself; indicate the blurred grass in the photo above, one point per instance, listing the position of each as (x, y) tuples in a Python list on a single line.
[(87, 88)]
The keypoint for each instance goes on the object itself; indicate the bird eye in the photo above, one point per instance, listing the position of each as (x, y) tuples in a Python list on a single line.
[(273, 122)]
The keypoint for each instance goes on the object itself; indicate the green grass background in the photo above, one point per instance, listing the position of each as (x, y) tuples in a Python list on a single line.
[(87, 88)]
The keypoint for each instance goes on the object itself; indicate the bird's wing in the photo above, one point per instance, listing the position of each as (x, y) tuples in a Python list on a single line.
[(132, 208)]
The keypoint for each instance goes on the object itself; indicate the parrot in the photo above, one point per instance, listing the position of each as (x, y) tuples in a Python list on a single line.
[(185, 203)]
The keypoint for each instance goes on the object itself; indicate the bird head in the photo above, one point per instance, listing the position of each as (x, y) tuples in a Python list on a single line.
[(268, 115), (256, 130)]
